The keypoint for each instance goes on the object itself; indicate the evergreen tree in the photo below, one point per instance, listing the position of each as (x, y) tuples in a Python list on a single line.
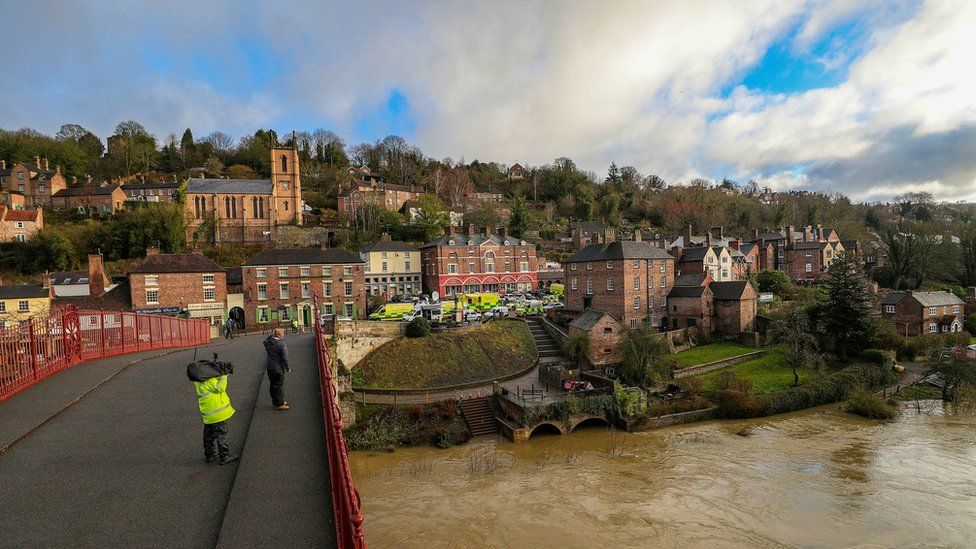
[(613, 174), (519, 220), (846, 314)]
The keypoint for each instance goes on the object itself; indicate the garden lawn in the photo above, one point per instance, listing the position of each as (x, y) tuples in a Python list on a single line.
[(449, 357), (768, 373), (711, 353)]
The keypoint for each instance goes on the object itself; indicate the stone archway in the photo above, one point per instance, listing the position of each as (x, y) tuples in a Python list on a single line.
[(546, 428), (237, 314), (594, 421)]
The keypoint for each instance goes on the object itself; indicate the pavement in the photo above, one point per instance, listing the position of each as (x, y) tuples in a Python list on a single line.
[(122, 464)]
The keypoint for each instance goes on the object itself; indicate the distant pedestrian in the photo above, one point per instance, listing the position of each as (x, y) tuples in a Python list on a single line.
[(210, 382), (294, 325), (277, 367), (229, 328)]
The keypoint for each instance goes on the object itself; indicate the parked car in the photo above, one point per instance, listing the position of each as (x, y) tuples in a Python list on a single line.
[(552, 306), (500, 311), (472, 316)]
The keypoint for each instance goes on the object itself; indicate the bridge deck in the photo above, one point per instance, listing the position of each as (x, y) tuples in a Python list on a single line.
[(123, 466)]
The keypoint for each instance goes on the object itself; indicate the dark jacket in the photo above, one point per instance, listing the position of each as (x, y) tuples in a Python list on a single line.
[(277, 355)]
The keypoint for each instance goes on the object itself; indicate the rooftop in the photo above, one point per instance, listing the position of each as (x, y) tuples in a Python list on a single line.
[(927, 299), (587, 319), (303, 256), (627, 249), (390, 246), (729, 290), (229, 186), (23, 291), (176, 263)]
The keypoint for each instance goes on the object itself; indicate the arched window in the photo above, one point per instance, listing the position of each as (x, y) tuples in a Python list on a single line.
[(233, 202), (254, 206), (284, 164), (227, 206), (196, 207), (286, 205), (261, 205)]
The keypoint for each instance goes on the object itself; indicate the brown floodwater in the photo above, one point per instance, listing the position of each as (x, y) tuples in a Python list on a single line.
[(818, 478)]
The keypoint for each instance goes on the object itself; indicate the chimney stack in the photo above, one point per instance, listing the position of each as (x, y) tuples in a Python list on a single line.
[(686, 236), (97, 281), (790, 233), (637, 235), (3, 164), (451, 230), (821, 234), (46, 284), (808, 234), (717, 232), (37, 162), (385, 237), (755, 235), (47, 165), (503, 232), (469, 229), (708, 239), (152, 250)]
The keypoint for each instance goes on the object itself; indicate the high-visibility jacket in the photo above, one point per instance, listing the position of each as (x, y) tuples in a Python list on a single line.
[(213, 400)]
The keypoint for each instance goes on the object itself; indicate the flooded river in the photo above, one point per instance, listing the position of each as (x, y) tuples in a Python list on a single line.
[(814, 478)]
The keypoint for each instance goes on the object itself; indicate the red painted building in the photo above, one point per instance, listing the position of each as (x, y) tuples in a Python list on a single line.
[(472, 262)]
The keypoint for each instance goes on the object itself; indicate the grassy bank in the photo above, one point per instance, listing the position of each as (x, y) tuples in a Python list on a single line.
[(450, 357), (711, 353), (768, 373), (383, 427)]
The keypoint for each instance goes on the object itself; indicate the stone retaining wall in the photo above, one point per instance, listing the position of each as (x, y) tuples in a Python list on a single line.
[(717, 365), (357, 338), (678, 419)]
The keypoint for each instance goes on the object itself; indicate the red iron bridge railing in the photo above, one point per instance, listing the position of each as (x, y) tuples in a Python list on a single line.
[(43, 346), (345, 498)]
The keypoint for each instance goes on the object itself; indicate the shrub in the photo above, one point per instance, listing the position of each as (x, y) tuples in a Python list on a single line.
[(418, 327), (908, 350), (832, 388), (876, 356), (871, 405), (734, 404), (728, 381), (692, 385)]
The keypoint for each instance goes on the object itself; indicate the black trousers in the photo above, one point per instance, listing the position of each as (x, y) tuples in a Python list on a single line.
[(277, 380), (215, 439)]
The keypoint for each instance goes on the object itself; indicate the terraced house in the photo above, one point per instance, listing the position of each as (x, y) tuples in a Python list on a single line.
[(472, 262), (630, 280), (171, 283), (21, 302), (19, 225), (917, 313), (392, 268), (36, 181), (280, 283)]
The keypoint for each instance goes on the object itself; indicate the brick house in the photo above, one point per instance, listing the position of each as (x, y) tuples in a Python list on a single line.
[(517, 171), (151, 192), (370, 189), (584, 233), (472, 262), (279, 284), (715, 260), (803, 256), (90, 198), (392, 267), (246, 211), (13, 199), (37, 181), (734, 306), (171, 283), (690, 307), (605, 336), (916, 313), (628, 279), (19, 225)]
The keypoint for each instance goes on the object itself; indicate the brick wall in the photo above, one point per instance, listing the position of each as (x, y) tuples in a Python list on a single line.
[(605, 341), (622, 298), (685, 312), (326, 281), (177, 289)]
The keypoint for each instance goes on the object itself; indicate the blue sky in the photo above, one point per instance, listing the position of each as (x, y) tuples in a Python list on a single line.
[(803, 93)]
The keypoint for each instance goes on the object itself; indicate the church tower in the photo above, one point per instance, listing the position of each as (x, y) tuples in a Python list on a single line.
[(286, 185)]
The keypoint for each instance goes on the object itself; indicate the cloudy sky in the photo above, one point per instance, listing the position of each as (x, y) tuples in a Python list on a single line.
[(870, 98)]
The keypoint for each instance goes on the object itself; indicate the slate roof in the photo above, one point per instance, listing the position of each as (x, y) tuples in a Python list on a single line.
[(229, 186), (118, 298), (626, 249), (810, 245), (729, 290), (139, 186), (476, 239), (235, 276), (87, 191), (303, 256), (927, 299), (390, 246), (690, 279), (23, 291), (746, 249), (694, 254), (587, 319), (176, 263), (687, 291), (69, 277)]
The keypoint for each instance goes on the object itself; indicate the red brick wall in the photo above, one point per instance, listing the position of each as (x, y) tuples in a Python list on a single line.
[(911, 319), (317, 280), (177, 289), (507, 268), (620, 301), (698, 309), (605, 341)]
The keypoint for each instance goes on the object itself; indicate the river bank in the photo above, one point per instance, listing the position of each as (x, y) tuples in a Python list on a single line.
[(819, 477)]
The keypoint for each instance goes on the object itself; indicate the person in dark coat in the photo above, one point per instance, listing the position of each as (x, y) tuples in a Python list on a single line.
[(277, 367)]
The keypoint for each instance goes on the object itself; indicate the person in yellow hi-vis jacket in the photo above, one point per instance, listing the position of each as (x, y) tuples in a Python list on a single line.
[(210, 382)]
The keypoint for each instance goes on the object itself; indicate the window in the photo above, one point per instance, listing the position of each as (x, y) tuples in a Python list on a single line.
[(524, 266), (809, 267), (636, 264), (609, 284), (20, 175), (20, 237), (637, 302), (347, 270), (260, 273), (306, 270), (609, 265), (608, 329), (633, 323), (152, 280), (779, 252), (573, 282), (725, 273), (955, 309), (664, 303), (19, 224), (664, 281), (932, 328), (327, 289), (348, 285), (326, 271), (3, 306), (286, 205), (327, 308), (406, 266), (932, 311), (284, 163), (637, 283), (262, 314), (283, 290), (725, 259), (208, 279), (282, 272), (384, 267), (589, 285), (262, 291), (208, 294), (650, 302), (889, 308), (406, 255), (152, 297), (306, 289), (572, 267), (348, 307), (589, 266), (470, 267), (945, 328)]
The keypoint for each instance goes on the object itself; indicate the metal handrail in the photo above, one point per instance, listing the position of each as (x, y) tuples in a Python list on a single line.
[(345, 499), (43, 346)]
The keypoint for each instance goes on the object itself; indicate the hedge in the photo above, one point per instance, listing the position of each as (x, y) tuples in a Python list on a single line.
[(832, 388)]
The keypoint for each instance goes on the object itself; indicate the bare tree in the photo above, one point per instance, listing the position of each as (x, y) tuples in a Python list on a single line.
[(220, 141)]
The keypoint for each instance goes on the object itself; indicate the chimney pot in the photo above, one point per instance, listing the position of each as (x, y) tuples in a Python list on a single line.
[(469, 230), (37, 162), (47, 165), (97, 281), (385, 237), (152, 250), (637, 235)]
